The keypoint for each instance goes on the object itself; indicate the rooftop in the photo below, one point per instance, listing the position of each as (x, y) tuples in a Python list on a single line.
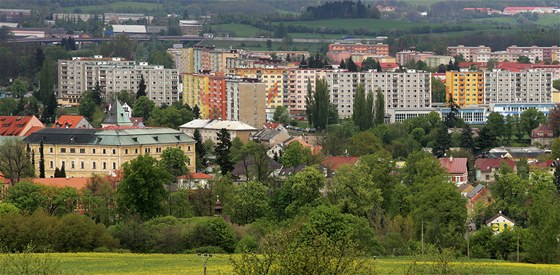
[(454, 165), (77, 183), (334, 162), (217, 125)]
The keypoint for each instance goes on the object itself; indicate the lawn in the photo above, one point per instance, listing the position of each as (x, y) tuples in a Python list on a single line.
[(127, 263), (116, 6), (549, 20)]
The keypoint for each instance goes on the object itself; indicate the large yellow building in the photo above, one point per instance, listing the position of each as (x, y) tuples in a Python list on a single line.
[(465, 88), (84, 152)]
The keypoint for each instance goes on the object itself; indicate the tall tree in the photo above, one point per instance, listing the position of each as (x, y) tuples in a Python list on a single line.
[(46, 90), (41, 160), (443, 141), (295, 154), (200, 150), (438, 90), (351, 66), (142, 189), (96, 94), (467, 141), (318, 104), (531, 119), (141, 88), (15, 163), (143, 107), (223, 152), (249, 203), (486, 140), (379, 108), (281, 115), (360, 112), (554, 119)]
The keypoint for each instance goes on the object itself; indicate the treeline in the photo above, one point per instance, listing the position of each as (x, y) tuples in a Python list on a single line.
[(450, 9), (341, 9)]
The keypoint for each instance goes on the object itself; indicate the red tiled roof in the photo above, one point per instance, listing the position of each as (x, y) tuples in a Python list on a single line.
[(33, 129), (119, 127), (469, 64), (77, 183), (454, 165), (513, 66), (13, 125), (199, 176), (67, 121), (388, 65), (136, 120), (486, 165), (543, 128), (3, 179), (542, 164), (271, 125), (334, 162)]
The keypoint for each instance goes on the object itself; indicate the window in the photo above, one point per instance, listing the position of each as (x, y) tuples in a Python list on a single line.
[(63, 150), (93, 166), (51, 150), (51, 164), (93, 151), (82, 165), (114, 165), (72, 165), (136, 151), (72, 150), (114, 151), (82, 150), (104, 151), (126, 151), (104, 165)]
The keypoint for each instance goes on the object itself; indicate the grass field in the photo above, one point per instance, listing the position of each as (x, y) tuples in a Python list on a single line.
[(127, 263), (237, 29), (120, 5)]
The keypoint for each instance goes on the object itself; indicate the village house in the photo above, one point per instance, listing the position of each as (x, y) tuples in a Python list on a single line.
[(542, 135), (457, 168), (332, 163), (19, 125), (193, 181), (66, 121), (486, 168), (499, 223)]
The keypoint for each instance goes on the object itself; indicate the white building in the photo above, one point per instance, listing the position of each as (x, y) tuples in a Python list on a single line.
[(209, 129), (517, 87)]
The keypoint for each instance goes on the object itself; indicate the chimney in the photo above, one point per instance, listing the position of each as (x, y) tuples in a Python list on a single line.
[(451, 159)]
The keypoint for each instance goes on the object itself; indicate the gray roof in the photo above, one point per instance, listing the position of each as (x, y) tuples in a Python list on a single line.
[(266, 134), (62, 136), (120, 137), (475, 191), (217, 124)]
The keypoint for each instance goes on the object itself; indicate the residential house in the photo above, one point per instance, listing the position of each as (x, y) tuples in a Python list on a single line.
[(270, 137), (77, 183), (465, 188), (476, 193), (331, 163), (19, 125), (499, 223), (457, 168), (209, 129), (486, 168), (193, 181), (275, 126), (66, 121), (542, 135), (546, 166), (516, 153)]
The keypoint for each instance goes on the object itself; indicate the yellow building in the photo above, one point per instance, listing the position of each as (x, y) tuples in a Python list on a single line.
[(193, 85), (84, 152), (465, 88), (273, 78)]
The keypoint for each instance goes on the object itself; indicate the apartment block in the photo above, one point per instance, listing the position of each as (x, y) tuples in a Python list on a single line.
[(467, 52), (298, 81), (465, 88), (190, 27), (503, 56), (208, 91), (542, 53), (183, 58), (517, 87), (403, 57), (246, 101), (114, 75), (409, 89), (275, 80), (337, 52)]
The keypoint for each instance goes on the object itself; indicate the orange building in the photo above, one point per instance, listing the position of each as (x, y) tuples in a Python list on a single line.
[(208, 91), (465, 88), (338, 52)]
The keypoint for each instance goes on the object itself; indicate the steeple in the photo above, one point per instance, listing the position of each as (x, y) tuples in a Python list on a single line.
[(116, 116)]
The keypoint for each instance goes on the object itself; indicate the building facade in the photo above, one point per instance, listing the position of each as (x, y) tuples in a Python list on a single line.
[(467, 52), (208, 91), (517, 87), (246, 101), (209, 129), (465, 88), (338, 52), (84, 152)]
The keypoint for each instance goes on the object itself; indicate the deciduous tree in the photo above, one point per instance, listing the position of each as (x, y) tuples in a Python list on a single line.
[(174, 161), (15, 163), (223, 152)]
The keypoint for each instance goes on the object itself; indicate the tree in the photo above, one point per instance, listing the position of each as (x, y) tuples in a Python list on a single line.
[(87, 105), (141, 88), (281, 115), (196, 112), (254, 159), (467, 141), (96, 94), (46, 91), (360, 113), (523, 59), (554, 119), (491, 64), (438, 90), (486, 140), (41, 160), (62, 171), (542, 244), (15, 163), (200, 150), (342, 64), (531, 119), (555, 149), (304, 189), (249, 202), (143, 107), (19, 88), (8, 106), (295, 154), (364, 143), (174, 161), (350, 65), (318, 104), (26, 196), (170, 117), (443, 141), (556, 84), (369, 64), (223, 152), (379, 108), (141, 190), (161, 57)]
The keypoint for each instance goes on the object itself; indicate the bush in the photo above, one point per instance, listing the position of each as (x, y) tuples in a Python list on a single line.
[(214, 232), (206, 249), (79, 233), (247, 244), (6, 207)]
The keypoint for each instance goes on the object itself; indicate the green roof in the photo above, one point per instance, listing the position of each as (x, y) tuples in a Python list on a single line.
[(117, 115), (144, 136)]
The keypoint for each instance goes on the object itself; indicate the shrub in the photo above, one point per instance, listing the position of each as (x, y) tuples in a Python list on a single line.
[(6, 207), (214, 232), (79, 233)]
